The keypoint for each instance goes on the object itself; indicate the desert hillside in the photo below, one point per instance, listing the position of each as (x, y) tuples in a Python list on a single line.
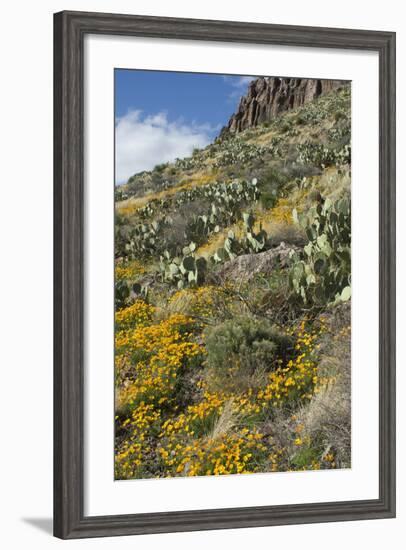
[(233, 286)]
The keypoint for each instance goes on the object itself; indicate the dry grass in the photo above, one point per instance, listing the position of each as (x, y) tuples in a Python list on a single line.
[(216, 240), (327, 417), (225, 423), (131, 205)]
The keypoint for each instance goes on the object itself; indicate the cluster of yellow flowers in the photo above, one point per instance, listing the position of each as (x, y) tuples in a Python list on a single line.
[(229, 453), (220, 432), (196, 418), (298, 379), (138, 314), (282, 213), (188, 446), (154, 355), (191, 444), (149, 360), (128, 271), (135, 447)]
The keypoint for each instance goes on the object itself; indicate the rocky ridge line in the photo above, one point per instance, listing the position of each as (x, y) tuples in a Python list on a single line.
[(269, 96)]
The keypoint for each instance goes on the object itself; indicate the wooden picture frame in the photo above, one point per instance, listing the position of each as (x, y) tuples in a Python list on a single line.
[(70, 29)]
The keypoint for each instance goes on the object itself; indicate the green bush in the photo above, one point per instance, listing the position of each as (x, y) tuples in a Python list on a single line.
[(241, 351), (271, 181), (160, 167)]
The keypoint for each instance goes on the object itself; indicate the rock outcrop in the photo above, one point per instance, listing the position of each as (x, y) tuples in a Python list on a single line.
[(245, 267), (269, 96)]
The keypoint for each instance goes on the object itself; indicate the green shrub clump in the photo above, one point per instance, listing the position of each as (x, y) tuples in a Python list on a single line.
[(241, 351)]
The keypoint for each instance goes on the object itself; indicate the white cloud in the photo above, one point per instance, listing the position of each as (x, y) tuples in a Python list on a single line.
[(143, 142), (239, 82), (239, 85)]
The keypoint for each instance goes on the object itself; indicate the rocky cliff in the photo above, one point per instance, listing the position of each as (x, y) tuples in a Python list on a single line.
[(268, 96)]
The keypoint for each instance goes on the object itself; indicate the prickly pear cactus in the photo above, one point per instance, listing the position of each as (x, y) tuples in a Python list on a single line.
[(250, 243), (183, 271), (322, 274)]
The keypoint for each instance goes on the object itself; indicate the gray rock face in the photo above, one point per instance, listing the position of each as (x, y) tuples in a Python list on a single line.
[(269, 96), (245, 267)]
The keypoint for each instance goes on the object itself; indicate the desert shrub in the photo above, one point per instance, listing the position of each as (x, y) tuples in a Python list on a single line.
[(339, 115), (120, 194), (135, 184), (294, 169), (160, 167), (271, 181), (242, 350), (267, 296), (302, 119), (286, 125), (179, 232)]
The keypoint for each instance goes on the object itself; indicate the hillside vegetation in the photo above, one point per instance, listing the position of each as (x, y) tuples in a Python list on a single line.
[(233, 286)]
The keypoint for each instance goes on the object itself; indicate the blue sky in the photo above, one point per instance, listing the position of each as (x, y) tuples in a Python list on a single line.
[(163, 115)]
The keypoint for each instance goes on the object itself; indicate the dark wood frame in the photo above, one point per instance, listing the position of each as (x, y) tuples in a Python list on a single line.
[(69, 31)]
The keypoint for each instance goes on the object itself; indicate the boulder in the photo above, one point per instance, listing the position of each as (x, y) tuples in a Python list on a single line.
[(247, 266)]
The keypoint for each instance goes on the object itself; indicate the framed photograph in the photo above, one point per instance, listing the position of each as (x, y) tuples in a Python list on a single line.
[(224, 274)]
